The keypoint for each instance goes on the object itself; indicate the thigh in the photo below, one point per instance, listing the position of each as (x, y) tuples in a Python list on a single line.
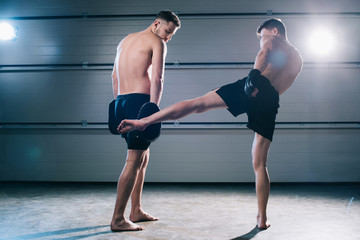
[(234, 96), (211, 100)]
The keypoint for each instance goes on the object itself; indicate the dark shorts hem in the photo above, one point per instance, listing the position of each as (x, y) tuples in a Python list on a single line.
[(261, 110), (259, 130), (234, 97)]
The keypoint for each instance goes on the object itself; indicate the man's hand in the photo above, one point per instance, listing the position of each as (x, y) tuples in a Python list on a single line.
[(130, 125), (253, 94), (251, 82)]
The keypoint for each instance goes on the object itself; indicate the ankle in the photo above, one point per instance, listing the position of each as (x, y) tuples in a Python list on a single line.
[(135, 210), (120, 218), (261, 216)]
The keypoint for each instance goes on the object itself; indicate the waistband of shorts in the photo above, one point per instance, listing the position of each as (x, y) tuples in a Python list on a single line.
[(134, 95), (265, 83)]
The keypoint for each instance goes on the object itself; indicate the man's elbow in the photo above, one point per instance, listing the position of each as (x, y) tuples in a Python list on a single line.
[(157, 82)]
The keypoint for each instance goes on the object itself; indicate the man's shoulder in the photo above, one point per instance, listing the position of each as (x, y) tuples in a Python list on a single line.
[(296, 55), (151, 39), (155, 39), (144, 38), (156, 43)]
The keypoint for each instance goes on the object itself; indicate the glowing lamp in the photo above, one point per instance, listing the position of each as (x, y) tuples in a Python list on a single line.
[(322, 42), (7, 32)]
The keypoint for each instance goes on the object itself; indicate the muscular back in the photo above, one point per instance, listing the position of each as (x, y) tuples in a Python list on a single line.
[(136, 53), (279, 62)]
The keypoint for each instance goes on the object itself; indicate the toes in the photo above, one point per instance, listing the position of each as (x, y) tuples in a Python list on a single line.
[(263, 226), (142, 217), (125, 226)]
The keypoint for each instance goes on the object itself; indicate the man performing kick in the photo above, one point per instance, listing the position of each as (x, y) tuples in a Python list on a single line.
[(276, 67), (138, 77)]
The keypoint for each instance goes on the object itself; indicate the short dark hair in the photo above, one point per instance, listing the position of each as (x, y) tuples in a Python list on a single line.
[(273, 23), (169, 16)]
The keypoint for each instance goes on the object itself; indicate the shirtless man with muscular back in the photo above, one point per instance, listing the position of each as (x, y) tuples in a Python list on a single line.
[(276, 67), (138, 77)]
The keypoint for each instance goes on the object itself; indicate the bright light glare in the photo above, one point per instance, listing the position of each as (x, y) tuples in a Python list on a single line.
[(322, 42), (7, 32)]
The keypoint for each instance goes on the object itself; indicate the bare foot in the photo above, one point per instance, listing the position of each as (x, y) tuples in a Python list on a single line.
[(142, 216), (263, 224), (125, 225)]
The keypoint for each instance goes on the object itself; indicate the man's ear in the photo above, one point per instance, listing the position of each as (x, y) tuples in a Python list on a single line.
[(275, 31), (156, 23)]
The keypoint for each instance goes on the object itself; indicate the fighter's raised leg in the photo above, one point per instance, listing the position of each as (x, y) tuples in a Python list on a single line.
[(209, 101)]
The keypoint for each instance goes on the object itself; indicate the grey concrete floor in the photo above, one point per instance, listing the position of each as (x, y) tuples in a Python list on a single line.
[(186, 211)]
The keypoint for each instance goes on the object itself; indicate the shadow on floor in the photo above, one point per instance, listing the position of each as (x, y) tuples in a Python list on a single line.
[(57, 233), (249, 235)]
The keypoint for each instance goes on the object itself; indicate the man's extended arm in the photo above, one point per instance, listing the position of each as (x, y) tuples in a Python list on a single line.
[(261, 60), (115, 82), (157, 73)]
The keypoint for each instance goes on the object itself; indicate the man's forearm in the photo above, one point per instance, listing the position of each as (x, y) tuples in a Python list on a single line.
[(156, 91), (115, 89)]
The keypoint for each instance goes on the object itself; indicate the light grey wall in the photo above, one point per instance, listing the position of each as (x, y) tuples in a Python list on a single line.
[(320, 94), (44, 86), (302, 155)]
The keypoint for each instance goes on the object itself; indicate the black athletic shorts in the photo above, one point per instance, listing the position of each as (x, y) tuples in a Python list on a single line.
[(261, 110), (127, 106)]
